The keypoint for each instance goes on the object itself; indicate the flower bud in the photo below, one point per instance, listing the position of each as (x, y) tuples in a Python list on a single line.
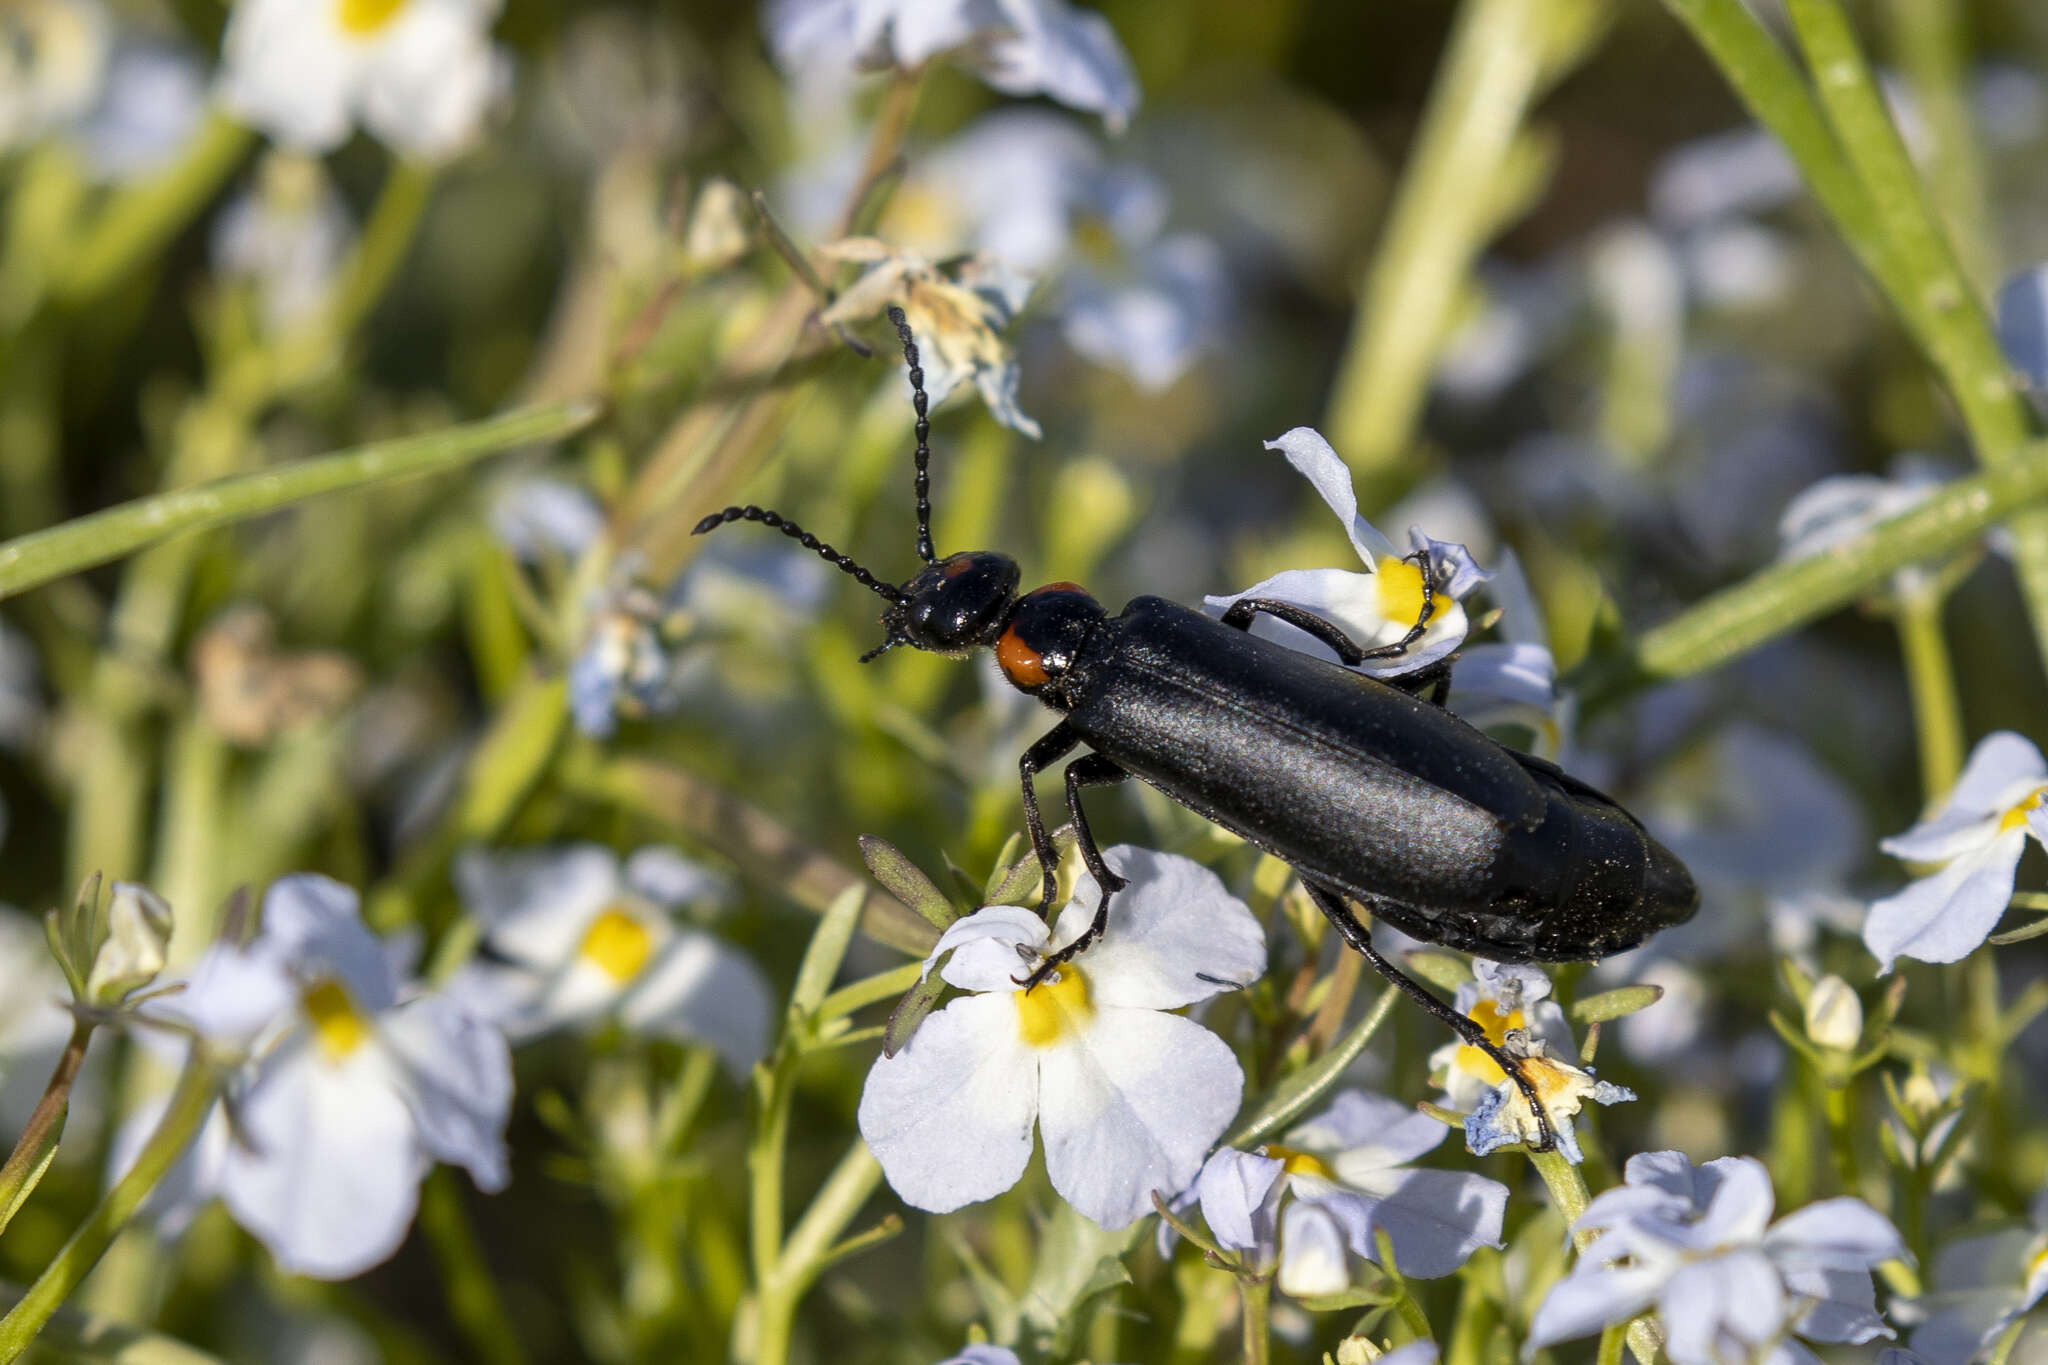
[(1834, 1015), (137, 937)]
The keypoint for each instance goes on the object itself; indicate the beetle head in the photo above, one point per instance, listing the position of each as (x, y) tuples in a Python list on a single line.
[(955, 604)]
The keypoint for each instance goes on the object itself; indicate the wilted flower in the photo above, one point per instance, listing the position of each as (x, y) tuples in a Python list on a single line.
[(1976, 838), (572, 935), (628, 663), (1504, 1115), (1698, 1244), (1381, 605), (1500, 997), (1338, 1181), (957, 315), (416, 74), (1981, 1287), (1021, 47), (1129, 1098), (359, 1081), (250, 691)]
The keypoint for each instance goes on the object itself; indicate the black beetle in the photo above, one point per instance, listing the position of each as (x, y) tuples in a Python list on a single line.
[(1369, 789)]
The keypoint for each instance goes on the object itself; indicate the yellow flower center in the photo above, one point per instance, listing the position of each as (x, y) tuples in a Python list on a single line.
[(1474, 1061), (1095, 240), (618, 944), (364, 17), (2016, 818), (916, 214), (1049, 1012), (1400, 582), (1299, 1162), (336, 1023)]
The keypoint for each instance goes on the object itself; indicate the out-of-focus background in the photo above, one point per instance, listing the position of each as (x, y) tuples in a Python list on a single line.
[(1615, 336)]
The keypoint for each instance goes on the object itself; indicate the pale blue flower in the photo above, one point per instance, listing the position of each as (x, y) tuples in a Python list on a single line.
[(1976, 838), (1729, 1286), (1980, 1287), (574, 935), (1150, 315), (359, 1081), (1733, 174), (1335, 1183), (1378, 606), (540, 518), (1020, 47), (149, 107)]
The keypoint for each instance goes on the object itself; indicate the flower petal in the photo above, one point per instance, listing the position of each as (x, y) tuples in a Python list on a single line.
[(233, 997), (1234, 1187), (949, 1117), (1352, 601), (315, 925), (1131, 1105), (1436, 1219), (455, 1073), (1712, 1309), (1834, 1234), (1362, 1132), (1176, 935), (1944, 917), (702, 989), (329, 1178), (1587, 1300), (1312, 1260), (663, 875), (1840, 1305), (1315, 460), (984, 948)]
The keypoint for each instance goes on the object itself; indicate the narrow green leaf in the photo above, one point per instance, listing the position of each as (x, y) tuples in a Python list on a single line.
[(1615, 1004), (2021, 934), (1294, 1095), (1020, 882), (906, 881), (827, 949), (36, 558), (1439, 968), (15, 1192), (910, 1012)]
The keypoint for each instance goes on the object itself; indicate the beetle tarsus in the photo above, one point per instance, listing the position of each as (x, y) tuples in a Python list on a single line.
[(1331, 903), (1420, 559)]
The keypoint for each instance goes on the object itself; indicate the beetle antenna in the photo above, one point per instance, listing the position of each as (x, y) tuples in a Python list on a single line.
[(924, 431), (804, 538)]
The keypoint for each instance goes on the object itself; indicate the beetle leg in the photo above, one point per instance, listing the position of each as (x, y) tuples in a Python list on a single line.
[(1331, 903), (1401, 646), (1089, 770), (1045, 751), (1244, 609), (1432, 684)]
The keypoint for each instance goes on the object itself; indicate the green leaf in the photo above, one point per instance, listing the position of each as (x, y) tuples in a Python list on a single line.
[(2022, 934), (910, 1012), (1439, 968), (906, 881), (1615, 1004), (40, 556), (827, 949), (1020, 881)]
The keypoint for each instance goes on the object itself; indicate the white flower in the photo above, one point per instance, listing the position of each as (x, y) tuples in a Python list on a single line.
[(1511, 679), (53, 65), (1976, 837), (1021, 47), (1695, 1243), (1505, 1117), (285, 238), (1129, 1098), (359, 1082), (1981, 1286), (1501, 996), (1335, 1184), (1379, 606), (573, 936), (417, 74), (956, 313)]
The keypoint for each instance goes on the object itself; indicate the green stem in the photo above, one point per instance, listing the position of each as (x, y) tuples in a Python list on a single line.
[(1568, 1192), (38, 1143), (810, 1248), (1931, 47), (40, 556), (192, 1100), (140, 219), (1255, 1294), (105, 1340), (1412, 1315), (1839, 1102), (1482, 92), (472, 1294), (1785, 596), (1930, 677)]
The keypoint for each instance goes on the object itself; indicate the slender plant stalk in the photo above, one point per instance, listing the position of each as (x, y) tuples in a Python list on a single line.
[(1255, 1298), (1483, 90), (1937, 715), (36, 558), (1931, 46), (1787, 595), (38, 1143), (191, 1101)]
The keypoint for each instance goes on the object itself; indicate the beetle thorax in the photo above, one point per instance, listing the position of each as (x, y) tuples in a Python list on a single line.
[(1048, 632)]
